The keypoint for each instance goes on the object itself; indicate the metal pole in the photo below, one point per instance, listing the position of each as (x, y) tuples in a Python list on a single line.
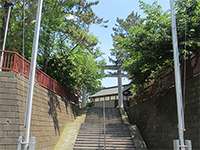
[(5, 35), (120, 95), (32, 74), (179, 98), (104, 123)]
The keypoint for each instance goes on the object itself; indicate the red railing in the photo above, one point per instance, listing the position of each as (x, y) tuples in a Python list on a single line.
[(13, 62)]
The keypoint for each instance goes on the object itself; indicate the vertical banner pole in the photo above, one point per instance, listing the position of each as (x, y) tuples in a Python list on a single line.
[(179, 96), (32, 74), (5, 36)]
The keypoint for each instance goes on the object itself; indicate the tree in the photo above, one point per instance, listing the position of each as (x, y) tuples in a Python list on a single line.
[(188, 12), (145, 44), (64, 38), (76, 70)]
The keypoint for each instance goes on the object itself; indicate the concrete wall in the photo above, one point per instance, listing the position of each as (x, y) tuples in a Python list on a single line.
[(50, 113), (156, 117)]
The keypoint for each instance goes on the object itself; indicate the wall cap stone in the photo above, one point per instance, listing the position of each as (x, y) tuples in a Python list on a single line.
[(7, 74), (134, 131)]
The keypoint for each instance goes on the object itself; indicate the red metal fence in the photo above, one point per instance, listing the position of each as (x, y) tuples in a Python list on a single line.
[(13, 62)]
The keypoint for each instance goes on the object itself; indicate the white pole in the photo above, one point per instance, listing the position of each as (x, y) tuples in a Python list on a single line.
[(32, 74), (179, 98), (5, 37)]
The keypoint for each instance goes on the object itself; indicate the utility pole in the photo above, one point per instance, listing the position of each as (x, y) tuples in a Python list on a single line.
[(178, 144), (8, 5), (25, 143)]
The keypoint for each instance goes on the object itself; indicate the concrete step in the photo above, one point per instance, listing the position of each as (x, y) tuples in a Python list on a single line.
[(102, 138), (119, 144), (91, 134), (101, 148), (113, 145), (107, 139)]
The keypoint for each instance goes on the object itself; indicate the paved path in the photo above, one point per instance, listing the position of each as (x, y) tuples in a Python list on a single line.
[(69, 134), (91, 134)]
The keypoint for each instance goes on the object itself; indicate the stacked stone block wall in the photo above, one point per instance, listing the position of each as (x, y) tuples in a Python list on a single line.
[(156, 117), (50, 113)]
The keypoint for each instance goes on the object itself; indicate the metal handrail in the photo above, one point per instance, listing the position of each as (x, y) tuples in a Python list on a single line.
[(104, 123)]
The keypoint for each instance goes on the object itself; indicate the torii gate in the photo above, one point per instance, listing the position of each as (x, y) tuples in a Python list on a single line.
[(118, 74)]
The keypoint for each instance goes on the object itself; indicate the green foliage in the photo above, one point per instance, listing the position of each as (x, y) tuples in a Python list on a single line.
[(77, 70), (144, 44), (90, 104), (188, 16), (67, 51)]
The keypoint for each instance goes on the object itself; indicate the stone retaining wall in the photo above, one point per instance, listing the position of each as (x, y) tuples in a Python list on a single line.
[(50, 113), (156, 117)]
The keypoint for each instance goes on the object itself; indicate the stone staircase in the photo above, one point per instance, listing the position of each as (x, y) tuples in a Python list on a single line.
[(91, 134)]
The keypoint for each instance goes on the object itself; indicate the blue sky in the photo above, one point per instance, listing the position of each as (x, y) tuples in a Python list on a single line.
[(110, 10)]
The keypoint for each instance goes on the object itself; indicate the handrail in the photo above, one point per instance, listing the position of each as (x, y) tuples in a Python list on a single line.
[(104, 123), (14, 62)]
